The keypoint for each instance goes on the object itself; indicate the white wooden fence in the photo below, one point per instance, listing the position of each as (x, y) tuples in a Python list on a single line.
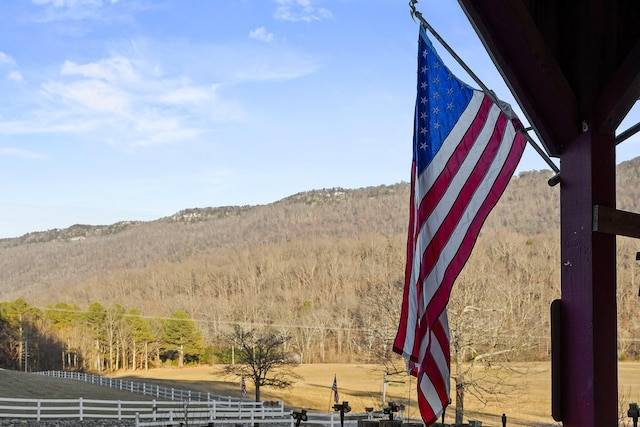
[(155, 412), (170, 406), (160, 413), (143, 388)]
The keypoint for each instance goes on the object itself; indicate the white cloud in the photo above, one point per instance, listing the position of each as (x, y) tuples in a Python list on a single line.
[(112, 69), (150, 93), (15, 76), (261, 34), (300, 10), (124, 101), (90, 96), (6, 59), (187, 95)]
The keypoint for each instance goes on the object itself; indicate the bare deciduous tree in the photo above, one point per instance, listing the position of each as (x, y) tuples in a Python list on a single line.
[(261, 358)]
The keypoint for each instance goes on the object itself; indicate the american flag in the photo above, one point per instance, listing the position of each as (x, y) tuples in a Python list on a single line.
[(334, 388), (243, 387), (465, 150)]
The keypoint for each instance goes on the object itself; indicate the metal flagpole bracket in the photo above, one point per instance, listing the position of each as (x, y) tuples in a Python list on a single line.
[(412, 6), (415, 13)]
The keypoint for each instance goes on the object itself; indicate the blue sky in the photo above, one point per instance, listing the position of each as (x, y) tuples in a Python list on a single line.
[(135, 109)]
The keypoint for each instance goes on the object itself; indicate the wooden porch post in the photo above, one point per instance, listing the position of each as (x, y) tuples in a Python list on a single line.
[(588, 308)]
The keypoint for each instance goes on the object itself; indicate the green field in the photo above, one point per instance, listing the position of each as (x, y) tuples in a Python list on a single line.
[(361, 385)]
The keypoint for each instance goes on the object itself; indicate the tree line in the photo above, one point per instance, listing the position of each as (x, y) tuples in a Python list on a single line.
[(98, 339)]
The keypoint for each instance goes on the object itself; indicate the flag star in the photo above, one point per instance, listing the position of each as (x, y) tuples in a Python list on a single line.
[(450, 106), (436, 110), (423, 100), (449, 76), (423, 115), (436, 125), (424, 69), (423, 131), (450, 91), (436, 66), (423, 146), (423, 85), (424, 53), (436, 95), (436, 80)]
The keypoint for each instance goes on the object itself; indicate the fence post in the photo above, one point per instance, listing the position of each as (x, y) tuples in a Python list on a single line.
[(137, 419), (80, 408)]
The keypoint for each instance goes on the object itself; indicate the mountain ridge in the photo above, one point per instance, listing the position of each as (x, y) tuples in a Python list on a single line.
[(38, 265)]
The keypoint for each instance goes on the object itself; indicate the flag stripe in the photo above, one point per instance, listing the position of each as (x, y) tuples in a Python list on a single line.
[(434, 380), (405, 317)]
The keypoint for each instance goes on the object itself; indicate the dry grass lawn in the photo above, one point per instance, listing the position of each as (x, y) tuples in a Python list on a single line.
[(361, 385)]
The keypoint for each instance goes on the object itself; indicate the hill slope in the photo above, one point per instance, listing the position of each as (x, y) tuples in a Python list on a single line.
[(322, 261)]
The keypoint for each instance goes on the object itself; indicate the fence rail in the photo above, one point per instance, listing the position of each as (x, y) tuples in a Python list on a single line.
[(159, 413), (169, 406), (155, 412), (143, 388)]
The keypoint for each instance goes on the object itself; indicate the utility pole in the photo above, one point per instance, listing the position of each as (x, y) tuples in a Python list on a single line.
[(26, 349)]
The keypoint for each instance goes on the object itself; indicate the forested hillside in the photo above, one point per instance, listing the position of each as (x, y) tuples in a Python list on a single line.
[(324, 266)]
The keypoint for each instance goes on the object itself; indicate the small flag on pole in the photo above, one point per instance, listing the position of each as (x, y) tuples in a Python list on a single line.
[(243, 388), (465, 150), (334, 388)]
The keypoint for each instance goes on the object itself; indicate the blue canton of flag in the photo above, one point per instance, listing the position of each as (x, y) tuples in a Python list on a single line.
[(465, 150)]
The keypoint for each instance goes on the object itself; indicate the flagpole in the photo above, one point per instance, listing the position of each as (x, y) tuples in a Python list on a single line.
[(417, 14), (409, 401)]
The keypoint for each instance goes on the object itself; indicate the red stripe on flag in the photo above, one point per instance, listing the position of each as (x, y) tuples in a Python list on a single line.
[(398, 345)]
